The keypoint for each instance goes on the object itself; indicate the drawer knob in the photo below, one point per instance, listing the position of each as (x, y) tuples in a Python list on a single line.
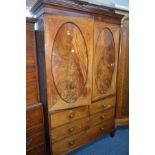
[(102, 117), (106, 106), (71, 115), (71, 130), (71, 143), (28, 141), (102, 129)]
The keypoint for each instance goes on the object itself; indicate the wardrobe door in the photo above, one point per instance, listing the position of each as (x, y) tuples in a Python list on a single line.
[(68, 55), (106, 39)]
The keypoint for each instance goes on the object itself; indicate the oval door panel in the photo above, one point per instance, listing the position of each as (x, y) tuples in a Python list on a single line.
[(105, 60), (69, 62)]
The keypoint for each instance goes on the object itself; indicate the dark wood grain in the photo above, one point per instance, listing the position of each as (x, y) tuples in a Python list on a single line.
[(31, 74), (69, 76), (102, 105), (68, 116), (69, 62), (105, 57), (31, 93), (30, 59), (34, 137), (32, 88), (123, 73), (69, 129), (40, 41), (34, 116), (82, 138), (38, 150), (102, 116), (34, 112), (105, 60)]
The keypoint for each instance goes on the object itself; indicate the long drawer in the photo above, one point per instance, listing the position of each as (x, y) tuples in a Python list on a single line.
[(102, 116), (69, 129), (66, 116), (34, 137), (84, 137), (34, 115), (102, 105)]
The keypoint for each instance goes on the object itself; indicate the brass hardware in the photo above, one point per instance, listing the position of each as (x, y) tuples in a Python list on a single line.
[(71, 129), (71, 115), (102, 117), (106, 106), (71, 143), (102, 129)]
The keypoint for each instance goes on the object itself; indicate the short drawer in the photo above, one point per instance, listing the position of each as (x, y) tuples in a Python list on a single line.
[(34, 115), (39, 150), (102, 116), (102, 105), (69, 129), (66, 116), (82, 138), (34, 137)]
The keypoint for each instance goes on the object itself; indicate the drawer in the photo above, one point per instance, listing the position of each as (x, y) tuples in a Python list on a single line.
[(32, 93), (39, 150), (82, 138), (34, 137), (30, 56), (30, 38), (31, 75), (102, 116), (69, 129), (66, 116), (34, 116), (102, 105)]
